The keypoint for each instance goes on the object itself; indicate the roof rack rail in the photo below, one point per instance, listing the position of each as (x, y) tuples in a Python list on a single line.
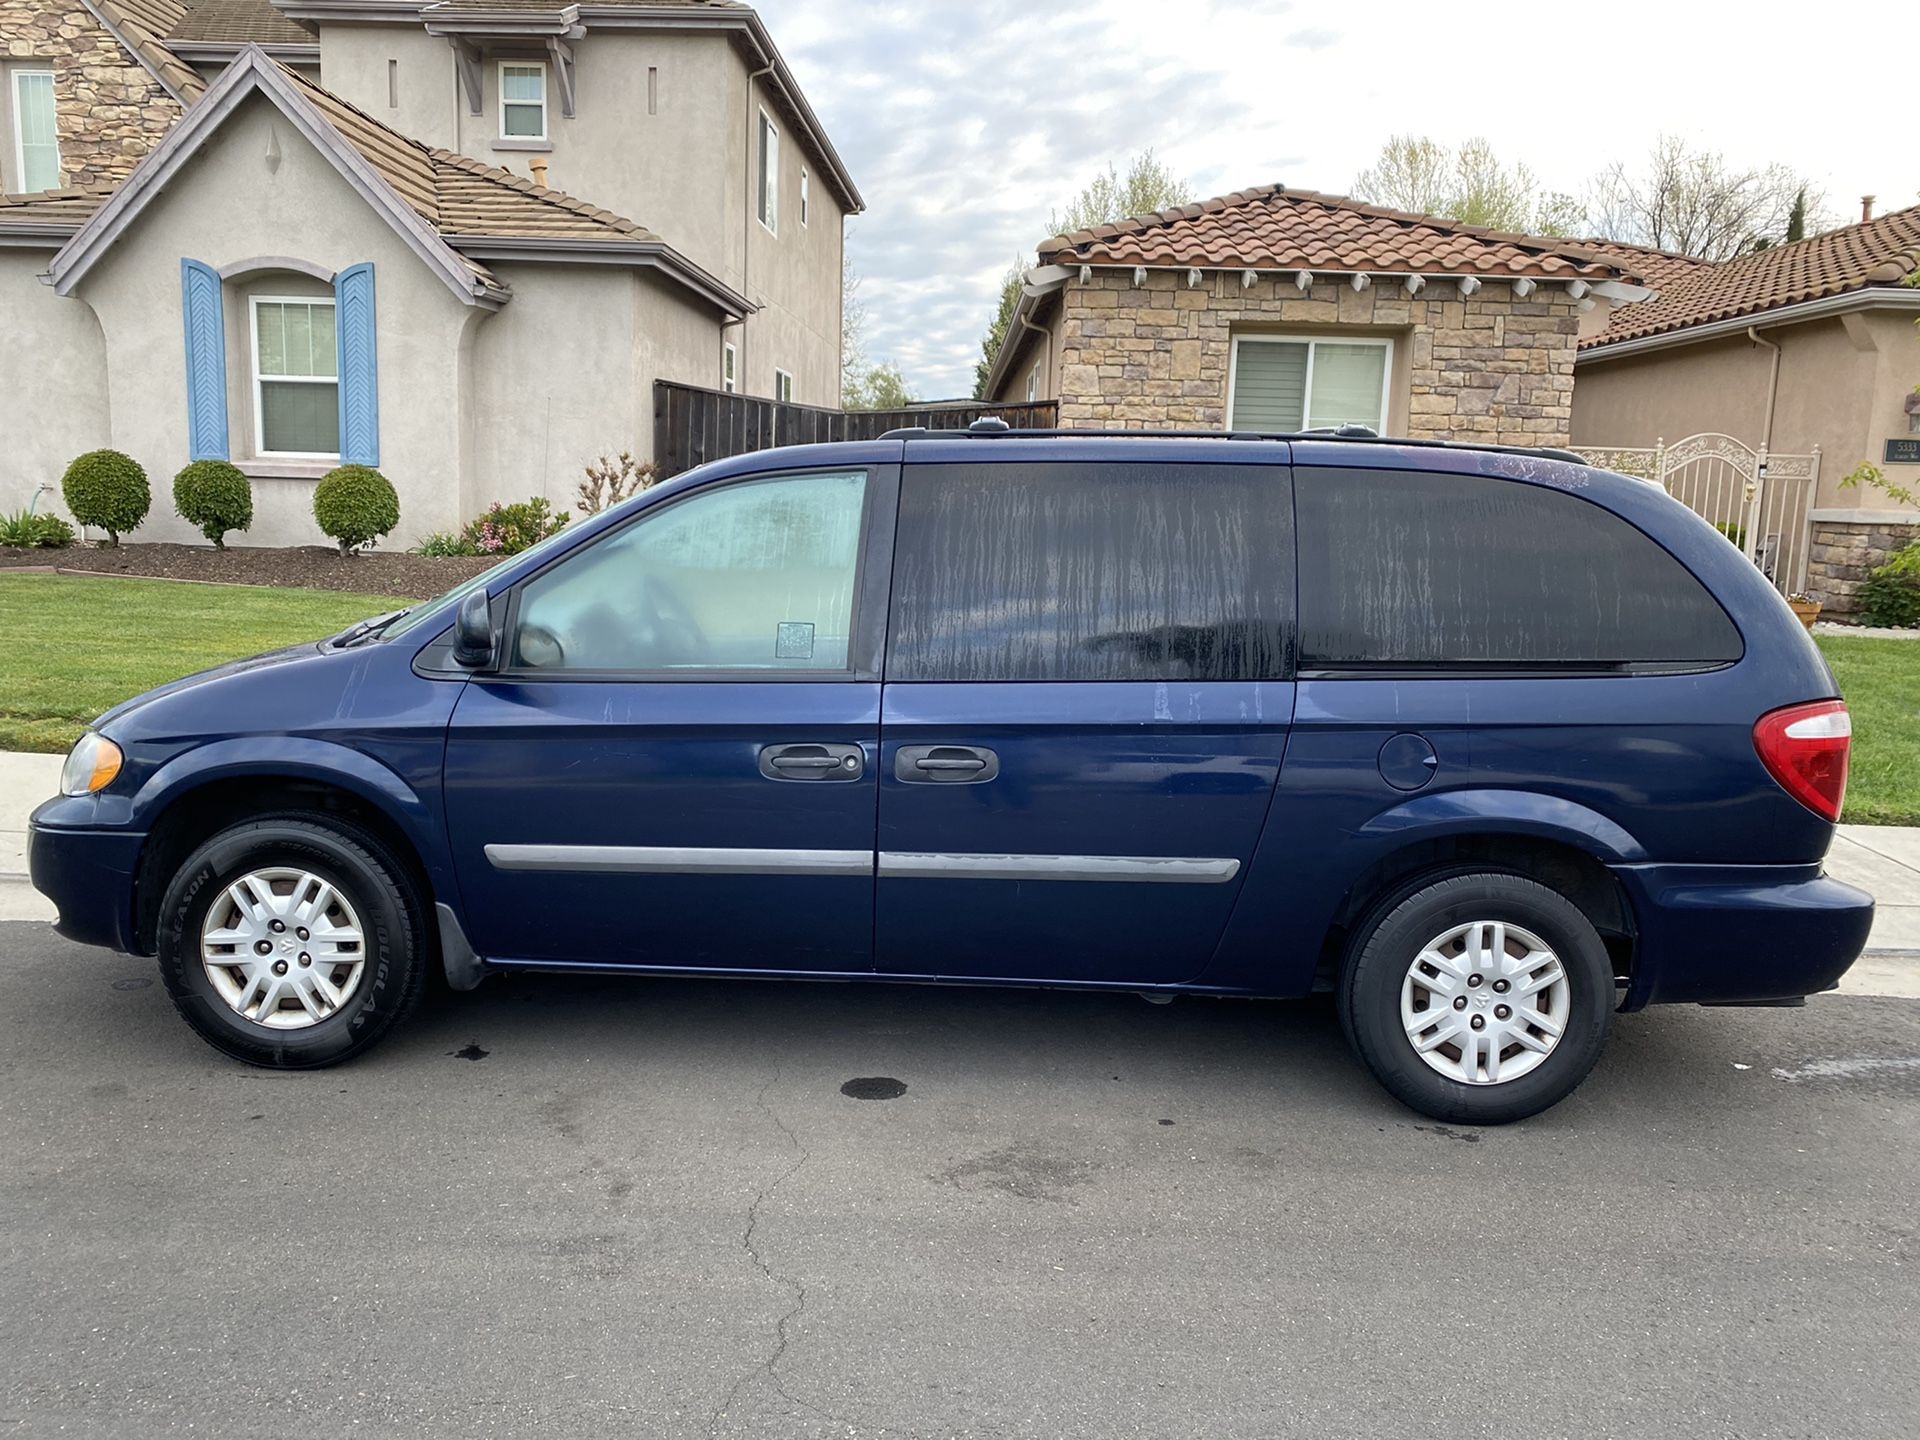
[(993, 428)]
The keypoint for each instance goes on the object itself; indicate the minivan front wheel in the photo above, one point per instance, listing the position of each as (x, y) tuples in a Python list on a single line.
[(1481, 998), (291, 941)]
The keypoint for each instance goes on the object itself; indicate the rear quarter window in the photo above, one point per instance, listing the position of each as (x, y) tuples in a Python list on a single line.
[(1410, 568), (1092, 572)]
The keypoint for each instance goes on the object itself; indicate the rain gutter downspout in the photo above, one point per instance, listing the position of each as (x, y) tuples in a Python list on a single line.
[(1046, 349), (1773, 390), (746, 227)]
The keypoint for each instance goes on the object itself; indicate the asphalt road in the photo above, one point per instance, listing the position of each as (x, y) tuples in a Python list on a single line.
[(583, 1207)]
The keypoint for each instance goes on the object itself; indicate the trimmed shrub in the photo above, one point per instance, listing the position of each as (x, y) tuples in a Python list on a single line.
[(108, 489), (509, 529), (1891, 594), (611, 479), (216, 497), (355, 505), (443, 543), (24, 530)]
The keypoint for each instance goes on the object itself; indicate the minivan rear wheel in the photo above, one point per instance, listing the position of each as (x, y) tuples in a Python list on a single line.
[(292, 941), (1481, 997)]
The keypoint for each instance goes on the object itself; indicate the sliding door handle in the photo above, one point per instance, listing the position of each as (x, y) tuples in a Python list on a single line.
[(945, 765), (812, 762)]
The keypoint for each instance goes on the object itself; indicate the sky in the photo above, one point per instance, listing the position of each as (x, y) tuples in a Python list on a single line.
[(965, 122)]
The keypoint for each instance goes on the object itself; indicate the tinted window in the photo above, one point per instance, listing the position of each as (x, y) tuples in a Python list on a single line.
[(756, 576), (1091, 572), (1433, 569)]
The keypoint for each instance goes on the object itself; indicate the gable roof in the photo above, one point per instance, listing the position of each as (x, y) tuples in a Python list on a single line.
[(140, 26), (1855, 258), (1270, 227), (440, 204)]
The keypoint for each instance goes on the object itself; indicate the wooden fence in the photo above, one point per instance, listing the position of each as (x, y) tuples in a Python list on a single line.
[(692, 425)]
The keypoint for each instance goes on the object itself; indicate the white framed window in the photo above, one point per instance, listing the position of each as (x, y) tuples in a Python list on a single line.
[(296, 383), (806, 199), (1308, 382), (783, 387), (36, 138), (1033, 383), (523, 100), (729, 367), (768, 208)]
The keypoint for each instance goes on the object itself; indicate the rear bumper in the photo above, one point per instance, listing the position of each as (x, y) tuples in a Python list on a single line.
[(1714, 933), (88, 875)]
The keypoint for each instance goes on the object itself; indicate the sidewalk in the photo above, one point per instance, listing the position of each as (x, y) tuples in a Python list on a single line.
[(1883, 860)]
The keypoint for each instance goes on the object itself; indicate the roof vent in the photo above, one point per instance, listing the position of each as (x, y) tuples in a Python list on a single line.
[(988, 425)]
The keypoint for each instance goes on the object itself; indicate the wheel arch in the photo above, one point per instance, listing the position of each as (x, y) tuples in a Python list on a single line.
[(201, 794), (1575, 870)]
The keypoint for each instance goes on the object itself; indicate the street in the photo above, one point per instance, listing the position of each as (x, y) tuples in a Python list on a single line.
[(581, 1207)]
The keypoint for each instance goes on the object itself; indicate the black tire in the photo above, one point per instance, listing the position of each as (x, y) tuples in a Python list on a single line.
[(1383, 949), (363, 871)]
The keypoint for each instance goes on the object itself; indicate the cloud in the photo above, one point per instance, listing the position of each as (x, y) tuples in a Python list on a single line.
[(965, 124)]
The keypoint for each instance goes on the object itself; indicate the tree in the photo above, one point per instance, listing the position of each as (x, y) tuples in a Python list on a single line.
[(863, 386), (881, 388), (853, 331), (1469, 185), (1107, 199), (1797, 217), (1010, 286), (1693, 202)]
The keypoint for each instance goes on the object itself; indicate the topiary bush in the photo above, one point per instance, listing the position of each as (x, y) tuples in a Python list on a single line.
[(509, 529), (216, 497), (108, 489), (355, 504), (1891, 594)]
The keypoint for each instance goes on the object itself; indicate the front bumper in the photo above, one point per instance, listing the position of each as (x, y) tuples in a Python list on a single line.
[(88, 875), (1712, 934)]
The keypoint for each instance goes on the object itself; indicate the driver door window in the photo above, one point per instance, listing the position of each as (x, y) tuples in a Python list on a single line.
[(758, 576)]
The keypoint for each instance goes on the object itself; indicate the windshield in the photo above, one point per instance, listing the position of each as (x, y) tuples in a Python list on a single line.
[(414, 615)]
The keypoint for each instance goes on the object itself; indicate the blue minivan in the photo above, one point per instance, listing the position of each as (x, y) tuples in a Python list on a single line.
[(1485, 742)]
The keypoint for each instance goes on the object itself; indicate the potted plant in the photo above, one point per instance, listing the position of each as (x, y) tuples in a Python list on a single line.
[(1805, 606)]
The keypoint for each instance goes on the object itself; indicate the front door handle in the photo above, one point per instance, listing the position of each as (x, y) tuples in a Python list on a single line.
[(945, 764), (812, 762)]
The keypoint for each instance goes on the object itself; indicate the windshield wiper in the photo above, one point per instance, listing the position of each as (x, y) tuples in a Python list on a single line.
[(367, 629)]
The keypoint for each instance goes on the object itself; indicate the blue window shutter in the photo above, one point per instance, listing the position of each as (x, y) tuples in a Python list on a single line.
[(206, 362), (359, 366)]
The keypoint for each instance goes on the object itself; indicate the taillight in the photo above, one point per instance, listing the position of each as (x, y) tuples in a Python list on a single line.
[(1805, 748)]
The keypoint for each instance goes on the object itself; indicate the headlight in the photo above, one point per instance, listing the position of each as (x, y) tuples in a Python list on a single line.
[(92, 765)]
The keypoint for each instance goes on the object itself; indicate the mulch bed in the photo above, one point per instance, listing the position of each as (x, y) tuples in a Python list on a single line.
[(307, 567)]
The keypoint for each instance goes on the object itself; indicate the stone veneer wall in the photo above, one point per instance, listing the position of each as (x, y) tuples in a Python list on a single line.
[(1488, 367), (111, 110), (1845, 552)]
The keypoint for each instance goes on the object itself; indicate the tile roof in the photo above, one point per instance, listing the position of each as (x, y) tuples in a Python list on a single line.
[(1881, 252), (60, 211), (460, 196), (238, 22), (1271, 227), (515, 7), (142, 25)]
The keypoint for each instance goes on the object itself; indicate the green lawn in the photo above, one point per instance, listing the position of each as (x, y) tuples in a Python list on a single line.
[(1881, 680), (73, 647), (70, 648)]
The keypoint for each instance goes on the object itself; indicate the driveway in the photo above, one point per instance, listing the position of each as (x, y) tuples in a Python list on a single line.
[(579, 1207)]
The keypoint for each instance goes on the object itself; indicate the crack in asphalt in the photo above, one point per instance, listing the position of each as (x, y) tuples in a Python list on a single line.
[(770, 1367)]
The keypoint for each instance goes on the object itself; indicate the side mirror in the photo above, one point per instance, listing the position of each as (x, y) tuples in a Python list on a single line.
[(473, 645)]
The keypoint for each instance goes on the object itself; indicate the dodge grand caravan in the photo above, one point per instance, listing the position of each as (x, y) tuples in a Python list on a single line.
[(1486, 742)]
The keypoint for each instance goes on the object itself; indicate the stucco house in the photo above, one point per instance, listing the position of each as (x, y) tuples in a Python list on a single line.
[(458, 240), (1281, 309), (1808, 349)]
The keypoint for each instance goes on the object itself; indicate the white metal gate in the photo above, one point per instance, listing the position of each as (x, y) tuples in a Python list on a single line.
[(1759, 500)]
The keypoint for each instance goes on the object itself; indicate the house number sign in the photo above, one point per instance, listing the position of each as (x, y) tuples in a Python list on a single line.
[(1902, 452)]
